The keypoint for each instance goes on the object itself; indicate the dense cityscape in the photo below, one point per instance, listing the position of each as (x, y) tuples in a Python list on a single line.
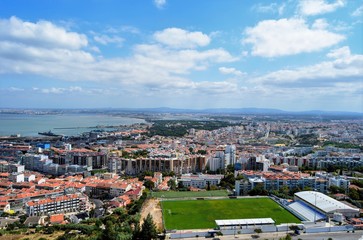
[(84, 181), (181, 119)]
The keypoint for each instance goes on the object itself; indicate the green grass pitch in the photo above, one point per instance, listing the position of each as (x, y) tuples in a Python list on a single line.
[(201, 214)]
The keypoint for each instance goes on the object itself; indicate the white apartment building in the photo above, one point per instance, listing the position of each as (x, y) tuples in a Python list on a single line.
[(60, 204), (200, 181)]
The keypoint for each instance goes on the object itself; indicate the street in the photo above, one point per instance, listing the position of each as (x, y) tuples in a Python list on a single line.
[(358, 235)]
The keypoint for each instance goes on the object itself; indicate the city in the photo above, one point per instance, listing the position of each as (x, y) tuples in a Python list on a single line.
[(51, 180), (181, 119)]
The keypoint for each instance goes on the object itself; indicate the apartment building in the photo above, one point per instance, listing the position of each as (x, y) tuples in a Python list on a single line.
[(276, 180), (60, 204), (200, 181), (107, 189), (10, 168), (188, 164)]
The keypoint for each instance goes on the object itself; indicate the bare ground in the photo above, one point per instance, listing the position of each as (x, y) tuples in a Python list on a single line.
[(152, 206)]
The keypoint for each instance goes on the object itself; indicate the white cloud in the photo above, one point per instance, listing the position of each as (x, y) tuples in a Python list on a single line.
[(340, 53), (15, 89), (105, 39), (316, 7), (180, 38), (222, 87), (40, 48), (344, 67), (149, 66), (358, 12), (225, 70), (53, 90), (124, 28), (269, 8), (61, 90), (274, 38), (320, 24), (159, 3), (42, 34)]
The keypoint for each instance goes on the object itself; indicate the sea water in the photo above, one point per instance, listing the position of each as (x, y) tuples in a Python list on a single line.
[(66, 124)]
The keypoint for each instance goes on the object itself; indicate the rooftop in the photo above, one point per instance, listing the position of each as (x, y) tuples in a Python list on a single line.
[(323, 202), (250, 221)]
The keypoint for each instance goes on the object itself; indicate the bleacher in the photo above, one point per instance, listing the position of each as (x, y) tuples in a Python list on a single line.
[(307, 212)]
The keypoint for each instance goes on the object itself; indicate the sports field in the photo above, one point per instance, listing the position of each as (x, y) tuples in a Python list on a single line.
[(201, 214), (189, 194)]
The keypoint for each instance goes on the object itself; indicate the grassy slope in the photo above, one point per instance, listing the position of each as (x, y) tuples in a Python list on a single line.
[(200, 214)]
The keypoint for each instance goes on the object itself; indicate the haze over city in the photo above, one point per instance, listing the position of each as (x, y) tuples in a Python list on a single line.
[(290, 55)]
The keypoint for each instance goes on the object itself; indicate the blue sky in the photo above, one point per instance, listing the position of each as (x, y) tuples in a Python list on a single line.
[(291, 55)]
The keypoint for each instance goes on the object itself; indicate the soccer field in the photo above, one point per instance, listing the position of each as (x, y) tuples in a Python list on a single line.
[(201, 214)]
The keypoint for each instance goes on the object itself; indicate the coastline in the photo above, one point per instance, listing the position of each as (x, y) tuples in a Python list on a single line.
[(68, 124)]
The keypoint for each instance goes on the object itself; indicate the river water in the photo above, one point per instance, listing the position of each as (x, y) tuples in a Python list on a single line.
[(66, 124)]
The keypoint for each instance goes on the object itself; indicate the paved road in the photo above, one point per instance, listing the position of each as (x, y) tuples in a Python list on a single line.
[(335, 236), (358, 235)]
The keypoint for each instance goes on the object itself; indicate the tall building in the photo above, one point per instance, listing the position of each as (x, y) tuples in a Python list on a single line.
[(230, 155)]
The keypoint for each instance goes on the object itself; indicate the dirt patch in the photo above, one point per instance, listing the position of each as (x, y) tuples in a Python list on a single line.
[(32, 236), (11, 237), (152, 206)]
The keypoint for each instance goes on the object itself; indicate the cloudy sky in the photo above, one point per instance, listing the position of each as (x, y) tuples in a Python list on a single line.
[(291, 55)]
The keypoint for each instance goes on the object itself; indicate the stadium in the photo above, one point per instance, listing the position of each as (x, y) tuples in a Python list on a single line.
[(202, 214), (314, 206)]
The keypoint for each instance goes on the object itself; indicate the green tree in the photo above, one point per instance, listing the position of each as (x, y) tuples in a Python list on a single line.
[(201, 151), (336, 189), (228, 181), (110, 231), (258, 190), (148, 229), (284, 190), (149, 184), (172, 184), (354, 194), (230, 168), (180, 185)]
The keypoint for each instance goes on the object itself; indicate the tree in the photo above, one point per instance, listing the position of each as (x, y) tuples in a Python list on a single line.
[(92, 212), (148, 229), (49, 230), (110, 231), (228, 181), (354, 194), (180, 185), (288, 237), (240, 177), (284, 190), (335, 189), (258, 231), (149, 184), (258, 190), (137, 231), (230, 168), (172, 184), (201, 151)]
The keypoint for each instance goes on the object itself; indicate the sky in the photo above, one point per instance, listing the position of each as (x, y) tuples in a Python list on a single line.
[(292, 55)]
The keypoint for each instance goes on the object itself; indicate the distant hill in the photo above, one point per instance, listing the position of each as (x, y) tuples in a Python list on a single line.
[(256, 111), (252, 111)]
